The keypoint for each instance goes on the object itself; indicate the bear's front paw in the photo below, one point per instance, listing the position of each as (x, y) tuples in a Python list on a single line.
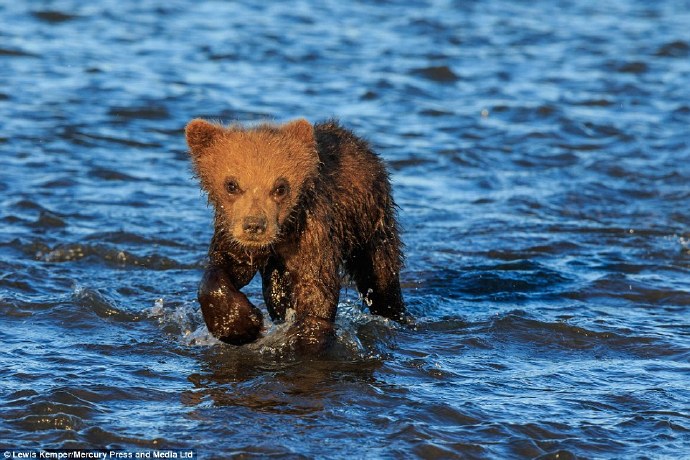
[(240, 329), (228, 314), (235, 321)]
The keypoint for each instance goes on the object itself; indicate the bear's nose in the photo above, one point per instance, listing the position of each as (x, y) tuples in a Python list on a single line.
[(254, 225)]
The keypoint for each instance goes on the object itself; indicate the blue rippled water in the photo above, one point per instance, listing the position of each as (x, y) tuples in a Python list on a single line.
[(540, 154)]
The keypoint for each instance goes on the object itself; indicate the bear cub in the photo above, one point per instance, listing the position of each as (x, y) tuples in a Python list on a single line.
[(295, 202)]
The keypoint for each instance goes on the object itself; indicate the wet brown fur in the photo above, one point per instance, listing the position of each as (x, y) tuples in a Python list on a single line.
[(303, 201)]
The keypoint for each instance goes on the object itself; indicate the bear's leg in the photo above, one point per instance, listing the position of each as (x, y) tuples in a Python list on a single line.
[(227, 312), (277, 288), (376, 271), (311, 335), (315, 300)]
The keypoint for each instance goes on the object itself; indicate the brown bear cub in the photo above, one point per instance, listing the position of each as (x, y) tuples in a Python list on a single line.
[(294, 202)]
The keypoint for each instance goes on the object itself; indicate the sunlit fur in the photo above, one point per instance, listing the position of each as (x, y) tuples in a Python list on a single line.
[(256, 159)]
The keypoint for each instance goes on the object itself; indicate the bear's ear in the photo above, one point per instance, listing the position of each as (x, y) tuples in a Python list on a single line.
[(200, 135), (300, 130)]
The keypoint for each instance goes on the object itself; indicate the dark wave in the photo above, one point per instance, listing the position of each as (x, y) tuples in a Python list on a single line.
[(15, 53), (151, 112), (54, 16), (502, 282), (516, 327), (440, 74), (105, 254), (102, 306)]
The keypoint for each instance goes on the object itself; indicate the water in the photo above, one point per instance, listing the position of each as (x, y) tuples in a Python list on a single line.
[(540, 155)]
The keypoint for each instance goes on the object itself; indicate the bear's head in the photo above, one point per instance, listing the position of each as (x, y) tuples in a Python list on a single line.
[(255, 176)]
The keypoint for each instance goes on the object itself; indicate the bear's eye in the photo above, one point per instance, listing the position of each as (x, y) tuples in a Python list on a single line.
[(281, 189), (232, 187)]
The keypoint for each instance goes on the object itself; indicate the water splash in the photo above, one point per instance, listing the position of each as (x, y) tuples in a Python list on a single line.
[(359, 335)]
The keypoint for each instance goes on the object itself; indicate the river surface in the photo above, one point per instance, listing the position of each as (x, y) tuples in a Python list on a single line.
[(540, 156)]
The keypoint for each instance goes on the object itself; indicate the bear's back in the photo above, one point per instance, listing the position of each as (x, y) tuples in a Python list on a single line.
[(353, 185)]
